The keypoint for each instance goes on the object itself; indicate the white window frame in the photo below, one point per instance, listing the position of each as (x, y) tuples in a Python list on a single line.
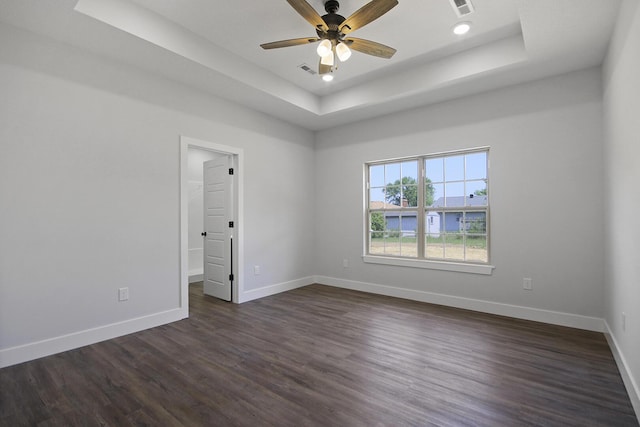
[(421, 261)]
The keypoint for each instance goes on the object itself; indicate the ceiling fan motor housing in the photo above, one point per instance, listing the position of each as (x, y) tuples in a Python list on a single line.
[(333, 21), (331, 6)]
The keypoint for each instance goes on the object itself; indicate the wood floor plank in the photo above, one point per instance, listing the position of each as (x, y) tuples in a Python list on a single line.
[(322, 356)]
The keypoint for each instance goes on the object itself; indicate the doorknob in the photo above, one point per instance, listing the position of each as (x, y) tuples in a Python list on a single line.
[(203, 234)]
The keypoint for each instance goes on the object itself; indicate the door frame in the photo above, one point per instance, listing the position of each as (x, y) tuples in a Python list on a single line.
[(238, 191)]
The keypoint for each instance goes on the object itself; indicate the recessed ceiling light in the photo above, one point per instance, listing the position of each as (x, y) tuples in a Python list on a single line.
[(462, 28), (327, 77)]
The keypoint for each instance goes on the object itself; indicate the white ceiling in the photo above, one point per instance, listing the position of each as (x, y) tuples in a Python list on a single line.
[(414, 28), (213, 45)]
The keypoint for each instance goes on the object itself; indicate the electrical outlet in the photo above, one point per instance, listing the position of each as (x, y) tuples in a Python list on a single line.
[(123, 294), (527, 284), (256, 270), (345, 263), (624, 321)]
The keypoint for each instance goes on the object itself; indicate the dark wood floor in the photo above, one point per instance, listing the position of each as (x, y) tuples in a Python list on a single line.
[(319, 356)]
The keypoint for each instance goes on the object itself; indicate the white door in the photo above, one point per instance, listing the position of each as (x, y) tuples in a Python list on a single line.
[(218, 231)]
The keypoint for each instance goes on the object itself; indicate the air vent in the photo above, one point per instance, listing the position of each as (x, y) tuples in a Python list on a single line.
[(462, 7), (308, 69)]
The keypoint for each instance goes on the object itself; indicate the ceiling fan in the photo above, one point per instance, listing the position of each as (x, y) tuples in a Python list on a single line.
[(333, 30)]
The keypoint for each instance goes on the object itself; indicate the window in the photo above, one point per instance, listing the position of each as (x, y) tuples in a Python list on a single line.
[(429, 208)]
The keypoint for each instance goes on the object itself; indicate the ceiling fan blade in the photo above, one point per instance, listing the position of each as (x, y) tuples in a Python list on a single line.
[(323, 69), (366, 14), (370, 48), (308, 13), (290, 42)]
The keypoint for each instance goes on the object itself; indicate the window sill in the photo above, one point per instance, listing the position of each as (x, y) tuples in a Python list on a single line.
[(432, 265)]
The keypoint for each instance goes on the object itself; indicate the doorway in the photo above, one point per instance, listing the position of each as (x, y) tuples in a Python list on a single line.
[(193, 153)]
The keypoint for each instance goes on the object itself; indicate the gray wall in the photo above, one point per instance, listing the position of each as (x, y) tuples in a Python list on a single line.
[(89, 189), (546, 167), (622, 154)]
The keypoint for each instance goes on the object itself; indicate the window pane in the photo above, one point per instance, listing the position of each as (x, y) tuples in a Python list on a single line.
[(433, 169), (476, 248), (378, 226), (475, 223), (476, 166), (434, 246), (409, 223), (384, 226), (407, 237), (392, 223), (376, 198), (391, 173), (432, 222), (391, 244), (434, 242), (376, 176), (454, 168), (451, 223), (376, 243), (392, 234), (410, 170), (454, 247), (409, 195), (409, 184), (455, 194), (393, 194), (400, 235), (475, 227), (377, 223), (434, 195), (477, 189)]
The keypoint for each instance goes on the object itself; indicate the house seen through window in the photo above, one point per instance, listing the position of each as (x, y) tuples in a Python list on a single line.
[(432, 207)]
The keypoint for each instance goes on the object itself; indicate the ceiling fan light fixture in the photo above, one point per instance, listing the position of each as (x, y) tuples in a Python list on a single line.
[(327, 77), (343, 52), (462, 28), (327, 59), (324, 48)]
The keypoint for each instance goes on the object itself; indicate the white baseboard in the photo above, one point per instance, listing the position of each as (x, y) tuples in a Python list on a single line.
[(36, 350), (515, 311), (266, 291), (627, 377), (195, 277)]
